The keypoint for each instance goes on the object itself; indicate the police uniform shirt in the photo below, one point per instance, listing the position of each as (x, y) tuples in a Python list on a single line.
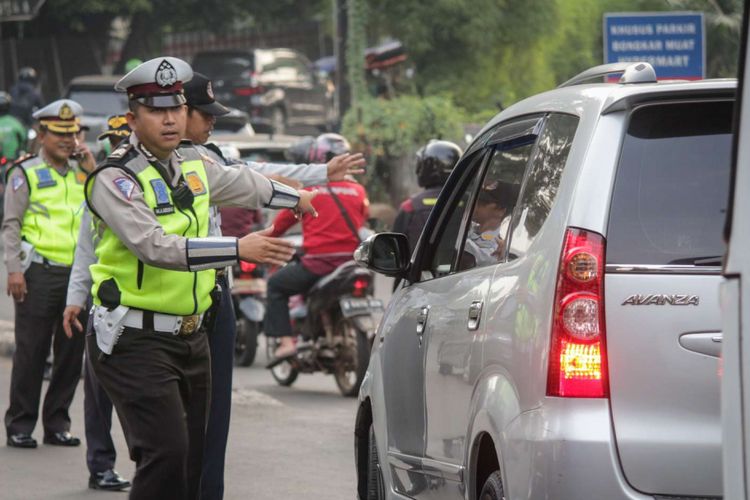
[(79, 283), (122, 207), (15, 205)]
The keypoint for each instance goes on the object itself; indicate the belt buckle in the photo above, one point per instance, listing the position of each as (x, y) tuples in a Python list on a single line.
[(189, 325)]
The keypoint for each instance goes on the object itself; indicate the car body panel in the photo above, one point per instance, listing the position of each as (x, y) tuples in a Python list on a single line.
[(664, 430), (735, 300), (452, 364)]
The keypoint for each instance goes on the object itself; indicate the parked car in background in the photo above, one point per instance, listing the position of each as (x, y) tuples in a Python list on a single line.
[(735, 298), (277, 87), (96, 93), (557, 331)]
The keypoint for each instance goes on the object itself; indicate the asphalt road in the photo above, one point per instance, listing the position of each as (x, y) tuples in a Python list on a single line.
[(284, 443)]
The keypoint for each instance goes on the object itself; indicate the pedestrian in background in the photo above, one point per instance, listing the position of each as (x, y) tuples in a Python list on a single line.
[(26, 97), (42, 214)]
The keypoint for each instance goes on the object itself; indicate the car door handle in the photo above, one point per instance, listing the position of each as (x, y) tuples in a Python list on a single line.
[(422, 320), (475, 314)]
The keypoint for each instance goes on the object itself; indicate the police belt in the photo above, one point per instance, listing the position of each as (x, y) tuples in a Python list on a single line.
[(35, 257), (163, 323)]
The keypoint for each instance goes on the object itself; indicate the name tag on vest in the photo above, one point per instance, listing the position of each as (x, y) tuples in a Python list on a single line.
[(45, 178), (163, 205)]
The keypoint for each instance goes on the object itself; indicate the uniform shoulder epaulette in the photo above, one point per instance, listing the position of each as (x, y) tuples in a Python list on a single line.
[(215, 149), (120, 154), (186, 142), (21, 159)]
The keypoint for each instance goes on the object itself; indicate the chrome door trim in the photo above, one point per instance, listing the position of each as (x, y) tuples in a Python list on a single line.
[(660, 269), (426, 465), (446, 471)]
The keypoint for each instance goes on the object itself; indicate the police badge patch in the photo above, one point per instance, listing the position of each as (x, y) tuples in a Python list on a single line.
[(17, 182), (126, 187), (166, 75), (45, 178), (65, 113), (195, 183), (163, 204)]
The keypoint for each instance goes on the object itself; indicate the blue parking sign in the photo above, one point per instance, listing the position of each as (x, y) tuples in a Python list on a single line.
[(674, 43)]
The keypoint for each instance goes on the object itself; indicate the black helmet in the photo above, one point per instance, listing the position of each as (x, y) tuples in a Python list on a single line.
[(317, 150), (27, 74), (4, 102), (435, 162)]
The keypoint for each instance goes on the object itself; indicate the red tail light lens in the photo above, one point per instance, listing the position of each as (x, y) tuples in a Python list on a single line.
[(577, 363), (247, 267), (247, 91), (360, 287)]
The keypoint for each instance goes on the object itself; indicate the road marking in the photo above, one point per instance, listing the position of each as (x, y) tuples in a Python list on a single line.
[(251, 397)]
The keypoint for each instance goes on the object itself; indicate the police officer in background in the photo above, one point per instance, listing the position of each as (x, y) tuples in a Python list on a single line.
[(42, 214), (435, 161), (154, 276), (97, 407), (202, 112)]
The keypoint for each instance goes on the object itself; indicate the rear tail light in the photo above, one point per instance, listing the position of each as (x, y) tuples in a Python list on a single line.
[(360, 287), (248, 91), (577, 363), (247, 267)]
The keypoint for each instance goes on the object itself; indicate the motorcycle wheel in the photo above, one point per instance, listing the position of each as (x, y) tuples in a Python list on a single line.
[(284, 374), (353, 358), (246, 342)]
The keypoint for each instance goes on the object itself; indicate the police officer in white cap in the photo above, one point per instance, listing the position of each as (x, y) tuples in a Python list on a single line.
[(43, 203), (154, 276)]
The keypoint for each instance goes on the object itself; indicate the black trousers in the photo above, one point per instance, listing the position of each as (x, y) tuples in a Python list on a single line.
[(287, 281), (160, 386), (39, 324), (221, 341)]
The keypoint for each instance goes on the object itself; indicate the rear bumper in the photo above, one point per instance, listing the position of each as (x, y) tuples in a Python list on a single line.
[(564, 450)]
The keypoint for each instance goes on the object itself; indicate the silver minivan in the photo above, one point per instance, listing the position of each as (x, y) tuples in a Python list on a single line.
[(556, 333)]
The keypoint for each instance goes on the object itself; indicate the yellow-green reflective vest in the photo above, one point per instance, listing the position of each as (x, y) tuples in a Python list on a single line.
[(55, 207), (139, 285)]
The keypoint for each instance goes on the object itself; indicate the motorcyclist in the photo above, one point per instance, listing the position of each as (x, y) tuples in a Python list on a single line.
[(12, 132), (25, 95), (435, 161), (329, 239)]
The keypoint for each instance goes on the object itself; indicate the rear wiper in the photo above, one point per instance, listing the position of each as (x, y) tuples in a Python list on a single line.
[(711, 260)]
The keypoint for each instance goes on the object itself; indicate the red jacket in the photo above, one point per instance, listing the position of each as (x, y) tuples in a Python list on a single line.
[(329, 233)]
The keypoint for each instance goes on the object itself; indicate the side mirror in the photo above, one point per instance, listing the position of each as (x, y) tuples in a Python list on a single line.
[(384, 253)]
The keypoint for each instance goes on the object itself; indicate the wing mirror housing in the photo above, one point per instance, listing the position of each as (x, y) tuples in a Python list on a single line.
[(384, 253)]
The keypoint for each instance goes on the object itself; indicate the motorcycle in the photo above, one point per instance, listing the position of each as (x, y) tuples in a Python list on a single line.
[(335, 326), (248, 296)]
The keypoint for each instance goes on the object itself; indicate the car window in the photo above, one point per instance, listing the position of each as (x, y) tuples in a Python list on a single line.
[(672, 186), (542, 181), (484, 243), (222, 65), (444, 256), (100, 102)]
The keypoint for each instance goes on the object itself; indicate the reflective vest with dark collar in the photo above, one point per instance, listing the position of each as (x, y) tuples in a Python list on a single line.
[(119, 277), (53, 217)]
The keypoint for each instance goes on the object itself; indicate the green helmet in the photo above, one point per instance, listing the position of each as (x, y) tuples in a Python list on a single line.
[(132, 64)]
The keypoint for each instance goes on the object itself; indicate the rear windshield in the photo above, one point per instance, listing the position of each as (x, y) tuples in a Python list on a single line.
[(214, 65), (103, 102), (672, 186)]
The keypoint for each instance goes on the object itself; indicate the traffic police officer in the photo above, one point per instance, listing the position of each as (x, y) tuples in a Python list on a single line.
[(42, 213), (154, 276)]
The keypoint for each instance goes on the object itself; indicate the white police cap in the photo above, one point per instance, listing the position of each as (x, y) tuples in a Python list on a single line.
[(60, 116), (157, 83)]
